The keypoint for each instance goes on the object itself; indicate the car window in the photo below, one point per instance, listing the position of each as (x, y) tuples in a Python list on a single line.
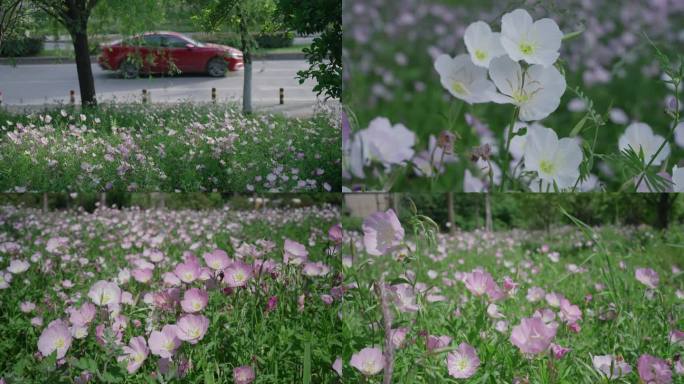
[(174, 42), (152, 41)]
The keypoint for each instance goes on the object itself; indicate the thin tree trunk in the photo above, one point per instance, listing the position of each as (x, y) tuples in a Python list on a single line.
[(488, 213), (86, 82), (452, 215), (247, 59), (45, 202), (103, 200), (663, 209)]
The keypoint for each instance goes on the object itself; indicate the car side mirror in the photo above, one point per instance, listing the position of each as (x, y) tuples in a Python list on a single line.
[(189, 46)]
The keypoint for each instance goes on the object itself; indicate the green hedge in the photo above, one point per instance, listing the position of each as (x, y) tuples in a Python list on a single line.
[(22, 46), (264, 40)]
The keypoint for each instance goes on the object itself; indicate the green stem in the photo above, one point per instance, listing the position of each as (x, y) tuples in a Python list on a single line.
[(506, 154)]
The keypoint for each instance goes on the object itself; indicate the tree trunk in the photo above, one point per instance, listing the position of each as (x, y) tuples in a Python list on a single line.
[(86, 82), (488, 213), (103, 200), (45, 202), (452, 215), (663, 209), (247, 86)]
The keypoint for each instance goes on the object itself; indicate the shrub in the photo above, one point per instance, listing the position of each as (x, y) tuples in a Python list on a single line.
[(275, 39), (22, 46)]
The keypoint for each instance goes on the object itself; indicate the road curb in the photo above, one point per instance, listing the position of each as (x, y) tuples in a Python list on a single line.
[(93, 59)]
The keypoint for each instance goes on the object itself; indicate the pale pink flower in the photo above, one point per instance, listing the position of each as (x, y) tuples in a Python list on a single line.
[(647, 277), (437, 342), (405, 297), (55, 338), (191, 328), (398, 336), (217, 259), (188, 271), (653, 370), (368, 361), (294, 253), (568, 312), (164, 343), (382, 232), (142, 275), (315, 269), (237, 274), (611, 367), (337, 366), (135, 353), (335, 234), (27, 306), (243, 375), (535, 294), (105, 293), (558, 351), (480, 282), (463, 362), (194, 300), (18, 266), (554, 299), (532, 336)]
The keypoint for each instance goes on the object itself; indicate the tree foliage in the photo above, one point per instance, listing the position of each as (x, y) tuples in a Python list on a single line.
[(322, 17)]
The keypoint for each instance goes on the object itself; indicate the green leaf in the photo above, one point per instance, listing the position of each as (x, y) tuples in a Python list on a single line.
[(306, 379)]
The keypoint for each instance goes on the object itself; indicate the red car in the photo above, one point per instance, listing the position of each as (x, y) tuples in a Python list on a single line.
[(168, 52)]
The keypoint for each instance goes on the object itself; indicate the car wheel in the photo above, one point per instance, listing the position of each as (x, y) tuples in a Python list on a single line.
[(128, 70), (217, 67)]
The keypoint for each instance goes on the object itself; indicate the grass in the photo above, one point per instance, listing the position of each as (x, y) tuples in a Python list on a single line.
[(184, 147), (288, 343), (642, 323)]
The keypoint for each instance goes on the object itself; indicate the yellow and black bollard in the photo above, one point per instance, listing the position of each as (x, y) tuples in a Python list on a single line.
[(282, 96), (144, 96), (213, 95), (72, 97)]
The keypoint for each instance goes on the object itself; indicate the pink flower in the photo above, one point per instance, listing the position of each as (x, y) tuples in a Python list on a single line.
[(237, 274), (647, 277), (532, 335), (480, 282), (437, 342), (405, 297), (191, 328), (243, 375), (188, 271), (463, 362), (217, 259), (535, 294), (337, 366), (271, 304), (164, 343), (368, 361), (315, 269), (554, 299), (558, 351), (105, 293), (55, 338), (18, 266), (194, 300), (677, 337), (653, 370), (568, 312), (398, 336), (142, 275), (294, 253), (27, 306), (335, 234), (135, 353), (611, 367), (382, 232)]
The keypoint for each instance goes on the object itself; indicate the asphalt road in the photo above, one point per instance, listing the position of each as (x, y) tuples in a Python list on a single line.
[(34, 85)]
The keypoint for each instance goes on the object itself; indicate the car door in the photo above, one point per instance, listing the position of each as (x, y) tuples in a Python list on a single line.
[(153, 54), (181, 56)]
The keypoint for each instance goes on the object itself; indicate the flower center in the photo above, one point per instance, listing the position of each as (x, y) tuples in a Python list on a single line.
[(480, 55), (59, 343), (188, 276), (547, 167), (216, 264), (526, 48), (139, 357), (169, 345), (520, 97), (194, 332), (458, 87), (197, 305), (239, 277), (368, 367), (462, 364), (106, 298)]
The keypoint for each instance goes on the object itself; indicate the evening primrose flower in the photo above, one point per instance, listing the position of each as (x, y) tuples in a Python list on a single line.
[(294, 253), (194, 300), (611, 367), (217, 259), (237, 274), (640, 137), (482, 44), (135, 354), (191, 328), (368, 361), (165, 342), (55, 338), (382, 232), (18, 266), (243, 375), (535, 42), (555, 161), (536, 90), (386, 143), (463, 79), (532, 336), (463, 362), (105, 293), (653, 370), (647, 277)]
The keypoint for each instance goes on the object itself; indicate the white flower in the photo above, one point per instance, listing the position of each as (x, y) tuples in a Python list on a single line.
[(472, 184), (482, 44), (537, 91), (463, 79), (679, 134), (354, 158), (18, 266), (105, 293), (555, 161), (640, 136), (678, 179), (386, 143), (536, 42)]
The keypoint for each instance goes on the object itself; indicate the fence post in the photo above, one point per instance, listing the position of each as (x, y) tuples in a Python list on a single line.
[(213, 95), (72, 97), (144, 96), (282, 96)]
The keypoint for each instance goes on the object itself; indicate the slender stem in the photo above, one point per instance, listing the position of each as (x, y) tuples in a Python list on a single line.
[(669, 136), (388, 350), (506, 159)]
